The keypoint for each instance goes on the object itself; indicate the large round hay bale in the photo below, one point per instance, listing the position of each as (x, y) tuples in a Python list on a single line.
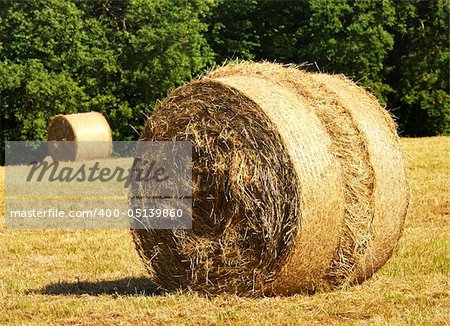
[(298, 183), (81, 136)]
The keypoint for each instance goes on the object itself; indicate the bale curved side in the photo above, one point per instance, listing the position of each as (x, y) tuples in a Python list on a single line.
[(244, 236), (321, 206), (366, 143), (391, 190), (348, 147)]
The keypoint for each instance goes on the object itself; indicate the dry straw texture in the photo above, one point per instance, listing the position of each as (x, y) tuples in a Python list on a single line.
[(88, 135), (298, 182)]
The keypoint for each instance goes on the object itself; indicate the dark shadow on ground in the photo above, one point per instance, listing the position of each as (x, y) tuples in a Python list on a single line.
[(140, 286)]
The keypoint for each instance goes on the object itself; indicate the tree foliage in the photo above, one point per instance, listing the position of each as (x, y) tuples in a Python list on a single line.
[(397, 49), (420, 67)]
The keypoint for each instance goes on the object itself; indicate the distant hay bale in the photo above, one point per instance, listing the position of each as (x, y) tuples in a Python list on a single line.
[(299, 183), (88, 135)]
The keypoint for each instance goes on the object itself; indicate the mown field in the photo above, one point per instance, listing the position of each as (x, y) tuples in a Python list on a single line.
[(96, 277)]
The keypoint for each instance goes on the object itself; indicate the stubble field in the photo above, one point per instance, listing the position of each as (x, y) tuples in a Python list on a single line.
[(96, 277)]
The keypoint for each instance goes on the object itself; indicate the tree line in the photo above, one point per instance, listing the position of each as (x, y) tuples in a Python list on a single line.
[(119, 57)]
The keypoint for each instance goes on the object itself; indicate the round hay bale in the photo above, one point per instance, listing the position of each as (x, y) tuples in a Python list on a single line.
[(299, 183), (88, 136)]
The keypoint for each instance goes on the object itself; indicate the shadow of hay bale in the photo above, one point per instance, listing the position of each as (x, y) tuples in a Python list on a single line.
[(136, 286)]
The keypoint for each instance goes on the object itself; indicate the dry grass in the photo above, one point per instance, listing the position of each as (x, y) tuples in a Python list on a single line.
[(96, 277)]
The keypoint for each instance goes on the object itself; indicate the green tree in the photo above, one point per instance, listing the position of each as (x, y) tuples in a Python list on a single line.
[(398, 49), (232, 29), (421, 64), (340, 36)]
